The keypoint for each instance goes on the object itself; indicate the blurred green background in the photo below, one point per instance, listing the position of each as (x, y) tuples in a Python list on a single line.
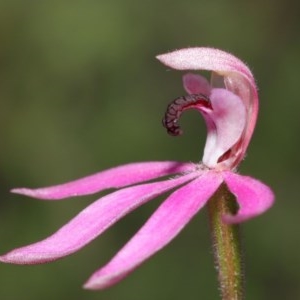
[(81, 91)]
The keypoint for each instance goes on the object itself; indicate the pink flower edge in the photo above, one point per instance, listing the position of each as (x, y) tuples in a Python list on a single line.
[(117, 177), (253, 196)]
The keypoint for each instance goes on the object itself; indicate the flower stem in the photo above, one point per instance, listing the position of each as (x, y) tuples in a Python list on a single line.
[(226, 245)]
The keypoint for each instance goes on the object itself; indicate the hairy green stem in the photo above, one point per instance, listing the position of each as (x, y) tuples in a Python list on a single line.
[(226, 245)]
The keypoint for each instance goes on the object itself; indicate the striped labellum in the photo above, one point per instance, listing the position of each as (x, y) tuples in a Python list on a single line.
[(178, 106)]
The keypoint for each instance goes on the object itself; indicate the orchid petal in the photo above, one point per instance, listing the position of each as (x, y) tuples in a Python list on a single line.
[(167, 221), (253, 197), (210, 59), (237, 78), (91, 222), (225, 123), (112, 178), (196, 84)]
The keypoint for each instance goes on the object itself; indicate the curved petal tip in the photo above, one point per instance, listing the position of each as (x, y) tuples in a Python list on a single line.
[(254, 197), (104, 282)]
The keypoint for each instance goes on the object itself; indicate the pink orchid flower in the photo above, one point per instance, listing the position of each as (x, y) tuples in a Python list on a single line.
[(229, 105)]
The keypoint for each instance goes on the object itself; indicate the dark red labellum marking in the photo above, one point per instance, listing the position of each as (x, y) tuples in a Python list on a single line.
[(178, 106)]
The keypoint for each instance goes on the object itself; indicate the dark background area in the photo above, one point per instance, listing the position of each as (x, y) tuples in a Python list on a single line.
[(81, 91)]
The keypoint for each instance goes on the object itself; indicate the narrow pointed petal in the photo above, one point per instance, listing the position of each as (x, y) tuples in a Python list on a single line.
[(112, 178), (91, 222), (237, 78), (168, 220), (196, 84), (253, 197)]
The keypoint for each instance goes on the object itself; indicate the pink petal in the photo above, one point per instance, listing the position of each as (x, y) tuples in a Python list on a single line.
[(253, 197), (210, 59), (228, 116), (112, 178), (237, 78), (91, 222), (168, 220), (196, 84)]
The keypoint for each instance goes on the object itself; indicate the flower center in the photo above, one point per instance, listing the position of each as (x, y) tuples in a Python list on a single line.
[(225, 117)]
